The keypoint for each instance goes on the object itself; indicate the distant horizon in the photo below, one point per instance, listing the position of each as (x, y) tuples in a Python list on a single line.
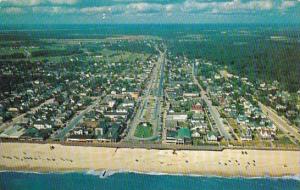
[(4, 27), (148, 11)]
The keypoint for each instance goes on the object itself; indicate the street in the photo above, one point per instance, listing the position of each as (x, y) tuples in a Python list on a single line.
[(150, 106), (280, 122), (75, 120), (21, 117), (213, 110)]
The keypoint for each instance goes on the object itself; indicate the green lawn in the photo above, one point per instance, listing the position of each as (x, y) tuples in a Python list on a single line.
[(283, 141), (143, 131)]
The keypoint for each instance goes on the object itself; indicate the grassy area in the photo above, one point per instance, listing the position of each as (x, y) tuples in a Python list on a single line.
[(258, 143), (143, 130), (279, 132), (120, 56), (198, 141), (235, 127), (283, 141)]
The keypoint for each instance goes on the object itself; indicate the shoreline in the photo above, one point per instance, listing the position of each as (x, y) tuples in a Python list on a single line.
[(113, 172), (226, 163)]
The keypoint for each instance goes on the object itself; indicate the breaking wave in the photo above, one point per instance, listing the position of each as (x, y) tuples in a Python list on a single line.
[(107, 173)]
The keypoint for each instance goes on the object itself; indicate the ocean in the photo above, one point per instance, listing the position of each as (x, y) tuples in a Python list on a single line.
[(137, 181)]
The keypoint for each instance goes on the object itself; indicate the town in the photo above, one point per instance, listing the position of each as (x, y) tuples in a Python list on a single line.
[(134, 90)]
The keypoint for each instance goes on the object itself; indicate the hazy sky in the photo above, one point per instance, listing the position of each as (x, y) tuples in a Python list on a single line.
[(148, 11)]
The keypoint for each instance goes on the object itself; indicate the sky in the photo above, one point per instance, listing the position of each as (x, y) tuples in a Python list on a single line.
[(148, 11)]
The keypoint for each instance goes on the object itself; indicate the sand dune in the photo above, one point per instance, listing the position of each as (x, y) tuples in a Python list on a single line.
[(39, 157)]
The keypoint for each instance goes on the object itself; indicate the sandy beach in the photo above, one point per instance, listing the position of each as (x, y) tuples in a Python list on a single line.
[(39, 157)]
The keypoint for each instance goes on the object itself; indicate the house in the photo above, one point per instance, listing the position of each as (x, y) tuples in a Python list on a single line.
[(177, 116), (83, 133), (111, 103), (242, 119), (102, 129), (127, 104), (13, 111), (197, 108), (134, 95), (80, 131), (58, 122), (199, 126), (266, 134), (191, 94), (196, 134), (115, 115), (211, 136), (247, 136), (184, 136), (171, 136), (180, 136), (108, 132), (197, 117), (39, 126)]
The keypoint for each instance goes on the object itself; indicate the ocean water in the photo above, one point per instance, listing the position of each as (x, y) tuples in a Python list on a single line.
[(136, 181)]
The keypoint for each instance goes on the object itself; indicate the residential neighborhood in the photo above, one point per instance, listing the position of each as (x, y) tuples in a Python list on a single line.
[(154, 96)]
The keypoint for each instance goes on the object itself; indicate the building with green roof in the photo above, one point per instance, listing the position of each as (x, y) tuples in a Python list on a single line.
[(180, 136), (184, 136)]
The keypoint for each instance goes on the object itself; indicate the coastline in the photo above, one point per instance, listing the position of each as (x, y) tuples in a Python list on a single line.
[(109, 173), (136, 181), (226, 163)]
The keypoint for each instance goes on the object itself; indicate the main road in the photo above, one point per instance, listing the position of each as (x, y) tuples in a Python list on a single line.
[(280, 122), (213, 110), (154, 90)]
